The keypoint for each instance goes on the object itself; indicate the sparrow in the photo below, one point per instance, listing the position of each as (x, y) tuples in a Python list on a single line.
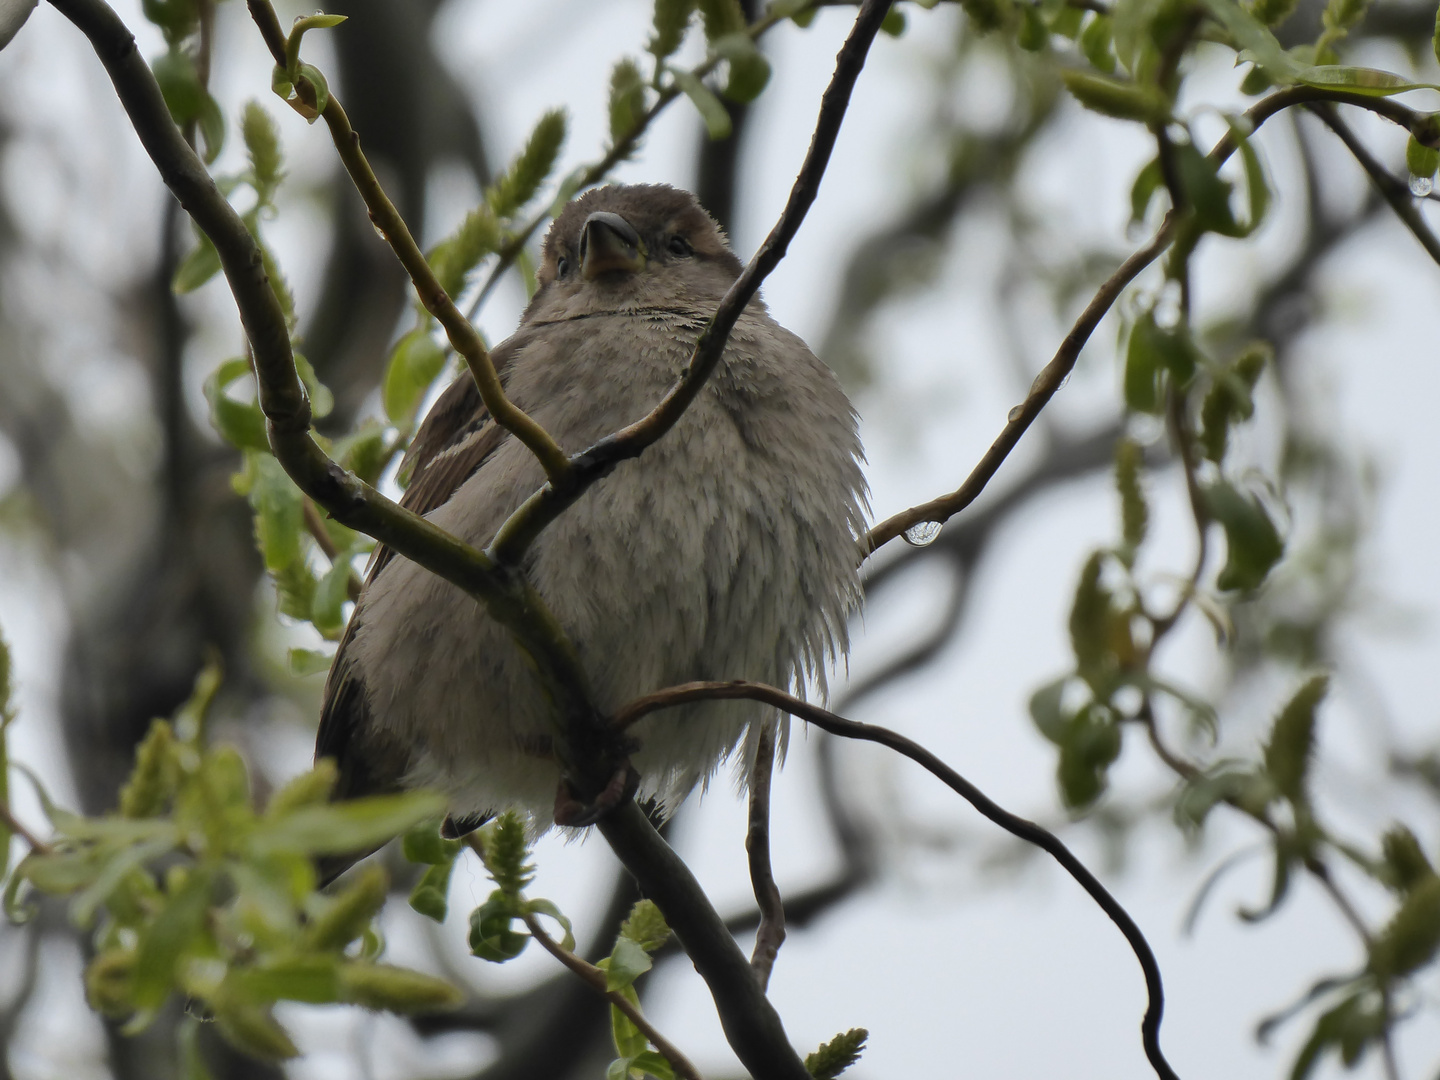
[(726, 550)]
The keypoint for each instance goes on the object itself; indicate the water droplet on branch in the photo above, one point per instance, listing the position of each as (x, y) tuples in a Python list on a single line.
[(922, 534), (1420, 186), (1014, 413)]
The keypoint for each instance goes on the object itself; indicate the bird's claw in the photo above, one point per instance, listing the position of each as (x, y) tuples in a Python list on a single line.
[(571, 811)]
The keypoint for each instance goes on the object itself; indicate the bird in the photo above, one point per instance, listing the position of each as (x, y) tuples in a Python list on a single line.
[(728, 549)]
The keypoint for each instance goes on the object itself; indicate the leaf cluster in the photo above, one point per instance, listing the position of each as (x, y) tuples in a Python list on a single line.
[(190, 888)]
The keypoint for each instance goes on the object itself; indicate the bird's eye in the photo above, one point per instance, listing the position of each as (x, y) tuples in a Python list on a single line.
[(562, 266), (679, 246)]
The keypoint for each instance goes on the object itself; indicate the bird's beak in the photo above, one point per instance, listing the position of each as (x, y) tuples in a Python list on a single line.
[(608, 243)]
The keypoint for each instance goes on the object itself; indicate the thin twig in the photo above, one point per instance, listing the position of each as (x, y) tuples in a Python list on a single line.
[(595, 978), (1023, 415), (541, 508), (315, 525), (770, 934), (463, 336), (16, 826), (1012, 823), (1395, 192)]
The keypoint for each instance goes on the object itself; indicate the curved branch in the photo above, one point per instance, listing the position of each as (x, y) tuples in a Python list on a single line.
[(1041, 391), (462, 334), (1011, 823), (591, 465)]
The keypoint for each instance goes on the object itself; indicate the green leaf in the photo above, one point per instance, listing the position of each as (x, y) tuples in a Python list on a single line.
[(1348, 1027), (262, 144), (549, 910), (1046, 709), (628, 961), (652, 1063), (347, 914), (1272, 12), (893, 25), (670, 21), (254, 1030), (749, 71), (721, 17), (627, 99), (1229, 399), (1405, 863), (1033, 35), (491, 936), (188, 100), (1095, 41), (1253, 544), (1134, 512), (645, 926), (279, 514), (202, 264), (424, 844), (306, 662), (396, 989), (415, 363), (1206, 194), (1411, 938), (430, 897), (117, 868), (628, 1040), (1292, 739), (1120, 98), (311, 979), (1421, 160), (717, 119), (837, 1055), (328, 604), (318, 86), (321, 400), (1149, 182), (240, 423), (1089, 746), (156, 774), (519, 183), (1153, 353), (345, 827), (307, 789), (1287, 854), (1256, 42), (1089, 621), (180, 927)]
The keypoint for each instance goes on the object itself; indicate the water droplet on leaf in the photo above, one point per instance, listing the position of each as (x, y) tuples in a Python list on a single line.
[(1420, 186), (922, 534)]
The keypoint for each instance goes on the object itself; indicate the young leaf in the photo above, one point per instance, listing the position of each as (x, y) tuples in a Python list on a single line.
[(506, 851), (430, 897), (1095, 41), (415, 362), (1253, 543), (627, 99), (670, 21), (1405, 863), (156, 775), (1089, 746), (721, 17), (1292, 739), (1411, 938), (837, 1055), (240, 423), (1089, 622), (519, 183), (491, 936), (645, 926), (1421, 160), (1134, 513), (202, 264), (348, 912), (628, 961), (262, 143), (1118, 98), (340, 828), (253, 1029), (717, 119)]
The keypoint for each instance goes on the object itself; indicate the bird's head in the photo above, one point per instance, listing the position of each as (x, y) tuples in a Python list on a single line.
[(631, 246)]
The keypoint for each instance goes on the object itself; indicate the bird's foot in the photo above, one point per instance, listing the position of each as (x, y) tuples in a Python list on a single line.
[(571, 811)]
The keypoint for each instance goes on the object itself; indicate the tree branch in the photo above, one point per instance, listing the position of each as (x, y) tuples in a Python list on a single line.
[(1396, 193), (462, 334), (595, 978), (770, 934), (591, 465), (1015, 825), (1022, 416)]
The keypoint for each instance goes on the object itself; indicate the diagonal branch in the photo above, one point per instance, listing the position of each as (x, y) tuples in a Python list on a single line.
[(1041, 391), (595, 978), (591, 465), (770, 934), (462, 334), (1394, 192), (1012, 823)]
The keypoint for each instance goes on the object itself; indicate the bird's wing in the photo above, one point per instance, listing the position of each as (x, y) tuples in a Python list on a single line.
[(454, 441)]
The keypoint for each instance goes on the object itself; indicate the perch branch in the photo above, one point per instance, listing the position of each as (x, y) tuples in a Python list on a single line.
[(1012, 823), (770, 934)]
